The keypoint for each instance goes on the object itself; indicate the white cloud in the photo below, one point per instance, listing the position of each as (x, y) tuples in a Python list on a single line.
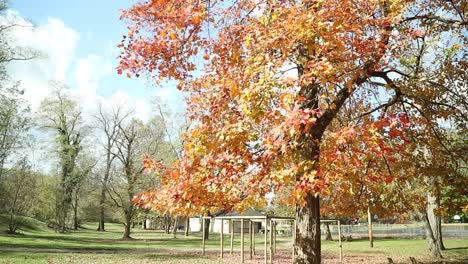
[(54, 40), (138, 106), (164, 92), (87, 75), (89, 71), (142, 109), (56, 44)]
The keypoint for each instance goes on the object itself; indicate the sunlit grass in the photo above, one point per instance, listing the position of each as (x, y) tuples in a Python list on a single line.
[(89, 246)]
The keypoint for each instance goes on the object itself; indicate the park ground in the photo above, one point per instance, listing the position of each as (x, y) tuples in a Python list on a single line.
[(38, 244)]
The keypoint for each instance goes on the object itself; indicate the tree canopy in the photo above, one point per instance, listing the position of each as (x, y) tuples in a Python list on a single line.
[(278, 89)]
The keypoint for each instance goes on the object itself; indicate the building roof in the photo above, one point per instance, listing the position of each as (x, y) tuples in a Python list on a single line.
[(248, 212)]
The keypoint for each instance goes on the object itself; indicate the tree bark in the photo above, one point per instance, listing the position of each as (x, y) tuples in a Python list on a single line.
[(102, 200), (307, 241), (75, 217), (64, 205), (127, 226), (439, 240), (431, 241), (307, 234), (328, 235), (187, 225), (432, 226), (126, 234), (438, 218), (206, 235), (174, 228), (167, 224)]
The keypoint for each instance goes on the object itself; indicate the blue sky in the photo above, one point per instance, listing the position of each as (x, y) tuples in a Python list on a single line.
[(78, 40)]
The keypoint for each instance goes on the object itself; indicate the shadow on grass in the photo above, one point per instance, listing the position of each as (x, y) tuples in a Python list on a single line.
[(463, 261), (89, 243), (455, 248), (63, 237), (177, 256)]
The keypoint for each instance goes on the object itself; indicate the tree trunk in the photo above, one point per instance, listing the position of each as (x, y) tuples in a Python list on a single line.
[(431, 241), (436, 224), (63, 220), (75, 218), (75, 210), (439, 240), (369, 224), (12, 224), (328, 235), (167, 224), (129, 213), (433, 226), (64, 208), (102, 200), (206, 235), (174, 228), (144, 223), (438, 218), (187, 225), (127, 226), (307, 240), (126, 234), (307, 234)]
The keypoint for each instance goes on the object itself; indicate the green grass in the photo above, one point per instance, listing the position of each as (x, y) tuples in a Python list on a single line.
[(110, 240), (41, 245), (48, 258), (404, 248)]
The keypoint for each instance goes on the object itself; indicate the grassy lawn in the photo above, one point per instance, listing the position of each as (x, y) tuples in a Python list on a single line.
[(41, 245), (457, 249), (110, 240)]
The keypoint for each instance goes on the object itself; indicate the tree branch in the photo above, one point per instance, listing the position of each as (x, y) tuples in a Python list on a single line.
[(436, 18)]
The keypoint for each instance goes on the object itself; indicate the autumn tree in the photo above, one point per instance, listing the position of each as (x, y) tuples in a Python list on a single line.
[(171, 151), (267, 81), (439, 171), (62, 117)]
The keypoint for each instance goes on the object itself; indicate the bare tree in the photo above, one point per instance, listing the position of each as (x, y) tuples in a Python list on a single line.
[(109, 123), (9, 51), (134, 140)]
